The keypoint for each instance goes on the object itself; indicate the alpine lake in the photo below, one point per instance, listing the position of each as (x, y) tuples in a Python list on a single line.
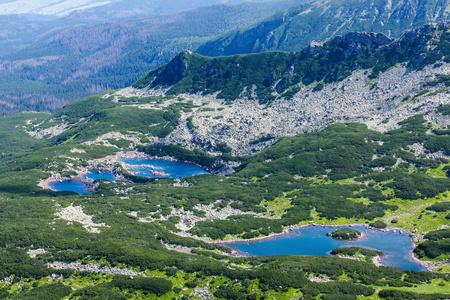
[(308, 240), (145, 167), (397, 246)]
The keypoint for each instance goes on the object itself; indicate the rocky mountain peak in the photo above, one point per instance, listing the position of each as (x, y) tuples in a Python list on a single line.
[(175, 68), (168, 74), (425, 32), (351, 43)]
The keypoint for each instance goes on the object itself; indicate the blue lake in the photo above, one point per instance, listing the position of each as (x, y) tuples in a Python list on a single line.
[(312, 240), (173, 169), (70, 185), (99, 174)]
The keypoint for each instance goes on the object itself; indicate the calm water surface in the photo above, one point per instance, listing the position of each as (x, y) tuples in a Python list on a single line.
[(174, 169), (312, 240), (70, 185), (99, 174)]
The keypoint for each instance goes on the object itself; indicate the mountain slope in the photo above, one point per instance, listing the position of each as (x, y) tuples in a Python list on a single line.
[(356, 77), (296, 27), (113, 8), (275, 73), (245, 102)]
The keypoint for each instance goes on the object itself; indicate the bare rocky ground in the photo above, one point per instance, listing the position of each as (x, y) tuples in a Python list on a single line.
[(76, 214), (377, 103), (203, 293), (33, 253), (94, 268)]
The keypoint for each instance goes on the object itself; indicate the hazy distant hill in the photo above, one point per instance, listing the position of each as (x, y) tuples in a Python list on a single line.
[(112, 8), (47, 64), (320, 20)]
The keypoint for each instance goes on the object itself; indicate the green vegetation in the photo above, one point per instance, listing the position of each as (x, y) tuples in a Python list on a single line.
[(440, 207), (357, 252), (52, 291), (346, 234), (327, 177), (262, 139), (395, 294), (436, 245), (445, 109), (158, 286), (378, 224)]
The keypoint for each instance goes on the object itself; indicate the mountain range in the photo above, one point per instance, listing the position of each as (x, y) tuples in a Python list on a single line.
[(94, 8), (296, 27), (246, 102), (353, 77)]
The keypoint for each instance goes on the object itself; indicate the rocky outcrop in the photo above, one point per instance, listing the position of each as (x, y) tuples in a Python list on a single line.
[(93, 267), (76, 214), (359, 43), (377, 103)]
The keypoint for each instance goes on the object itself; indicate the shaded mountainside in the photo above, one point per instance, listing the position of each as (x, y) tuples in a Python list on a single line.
[(48, 64), (296, 27), (273, 74), (121, 9)]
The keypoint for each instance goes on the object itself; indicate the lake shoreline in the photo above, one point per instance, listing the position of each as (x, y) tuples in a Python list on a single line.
[(81, 177), (109, 161), (287, 230), (376, 260), (136, 154)]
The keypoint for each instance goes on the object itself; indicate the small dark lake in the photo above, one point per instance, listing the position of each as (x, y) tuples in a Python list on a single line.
[(312, 240), (70, 185), (172, 169)]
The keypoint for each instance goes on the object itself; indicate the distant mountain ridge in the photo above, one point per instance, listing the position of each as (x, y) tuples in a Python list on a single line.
[(116, 8), (295, 28), (45, 65)]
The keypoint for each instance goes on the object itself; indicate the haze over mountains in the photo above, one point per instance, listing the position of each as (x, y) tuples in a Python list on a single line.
[(111, 8), (47, 64)]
